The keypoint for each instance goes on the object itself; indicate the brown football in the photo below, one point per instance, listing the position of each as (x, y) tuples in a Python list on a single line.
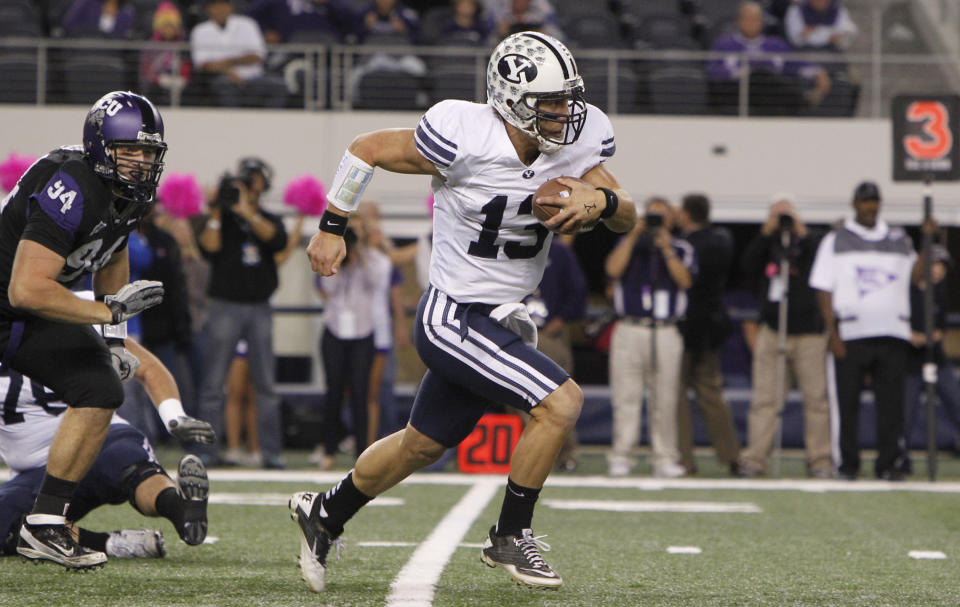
[(544, 212)]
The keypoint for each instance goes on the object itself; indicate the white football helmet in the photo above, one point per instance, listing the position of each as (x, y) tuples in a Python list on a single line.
[(528, 67)]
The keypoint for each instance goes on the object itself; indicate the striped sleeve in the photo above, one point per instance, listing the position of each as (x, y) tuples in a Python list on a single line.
[(435, 140)]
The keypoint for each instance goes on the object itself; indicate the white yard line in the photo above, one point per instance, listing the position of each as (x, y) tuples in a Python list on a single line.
[(415, 584), (653, 506)]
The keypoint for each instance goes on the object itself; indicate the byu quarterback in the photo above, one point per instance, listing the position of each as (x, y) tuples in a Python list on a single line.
[(489, 252)]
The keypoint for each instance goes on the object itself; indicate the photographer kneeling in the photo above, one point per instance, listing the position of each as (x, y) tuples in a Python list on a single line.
[(239, 240)]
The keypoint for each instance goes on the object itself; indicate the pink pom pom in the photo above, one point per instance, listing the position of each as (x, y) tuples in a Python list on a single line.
[(181, 195), (13, 168), (307, 194), (430, 204)]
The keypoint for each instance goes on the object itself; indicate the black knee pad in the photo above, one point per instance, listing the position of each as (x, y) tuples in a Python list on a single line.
[(136, 474)]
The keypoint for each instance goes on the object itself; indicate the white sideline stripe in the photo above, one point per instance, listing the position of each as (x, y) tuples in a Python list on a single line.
[(644, 506), (600, 482), (281, 499), (926, 554), (683, 550), (415, 584), (376, 544)]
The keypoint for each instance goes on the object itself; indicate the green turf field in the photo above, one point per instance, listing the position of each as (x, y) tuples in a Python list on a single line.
[(815, 544)]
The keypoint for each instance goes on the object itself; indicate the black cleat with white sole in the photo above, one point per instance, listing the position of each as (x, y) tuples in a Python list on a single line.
[(195, 489), (520, 556), (55, 543)]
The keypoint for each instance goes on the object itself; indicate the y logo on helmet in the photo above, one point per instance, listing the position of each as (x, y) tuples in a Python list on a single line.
[(517, 68)]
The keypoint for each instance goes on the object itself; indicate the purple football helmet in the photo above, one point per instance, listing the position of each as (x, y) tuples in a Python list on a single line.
[(122, 118)]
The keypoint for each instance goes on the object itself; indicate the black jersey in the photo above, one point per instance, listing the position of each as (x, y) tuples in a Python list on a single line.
[(63, 205)]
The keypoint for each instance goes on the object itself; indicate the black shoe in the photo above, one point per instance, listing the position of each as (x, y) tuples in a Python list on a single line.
[(315, 540), (894, 475), (195, 490), (846, 475), (520, 556), (55, 543)]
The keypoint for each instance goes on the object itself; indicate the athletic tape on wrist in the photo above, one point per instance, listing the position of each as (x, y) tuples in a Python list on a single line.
[(351, 179), (170, 410), (118, 331)]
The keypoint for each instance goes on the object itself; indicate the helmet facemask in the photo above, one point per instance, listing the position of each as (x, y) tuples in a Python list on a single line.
[(134, 182), (572, 120)]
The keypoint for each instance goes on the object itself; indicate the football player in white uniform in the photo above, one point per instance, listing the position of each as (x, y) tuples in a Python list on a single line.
[(125, 469), (489, 252)]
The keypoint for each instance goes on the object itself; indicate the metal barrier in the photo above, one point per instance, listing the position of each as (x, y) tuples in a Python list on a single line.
[(344, 77)]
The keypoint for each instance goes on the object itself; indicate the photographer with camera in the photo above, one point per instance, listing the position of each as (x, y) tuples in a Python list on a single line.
[(785, 243), (239, 239), (651, 271)]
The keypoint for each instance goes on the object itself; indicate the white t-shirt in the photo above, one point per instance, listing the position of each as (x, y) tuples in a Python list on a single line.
[(487, 245), (238, 37), (868, 273)]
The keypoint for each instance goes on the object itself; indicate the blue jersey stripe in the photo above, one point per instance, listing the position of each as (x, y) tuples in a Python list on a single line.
[(424, 138), (433, 131), (429, 155)]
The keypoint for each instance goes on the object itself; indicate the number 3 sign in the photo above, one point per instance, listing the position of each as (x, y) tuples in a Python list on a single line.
[(926, 138)]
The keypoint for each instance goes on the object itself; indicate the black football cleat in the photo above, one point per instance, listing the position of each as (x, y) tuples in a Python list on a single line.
[(520, 557), (195, 489), (315, 540), (55, 543)]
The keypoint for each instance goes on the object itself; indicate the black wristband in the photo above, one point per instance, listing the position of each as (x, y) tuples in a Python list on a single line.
[(333, 223), (613, 201)]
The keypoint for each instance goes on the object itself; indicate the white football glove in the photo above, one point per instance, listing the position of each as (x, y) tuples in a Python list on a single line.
[(124, 362), (133, 298)]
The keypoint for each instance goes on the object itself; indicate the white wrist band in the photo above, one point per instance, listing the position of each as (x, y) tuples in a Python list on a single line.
[(352, 177), (118, 330), (170, 410)]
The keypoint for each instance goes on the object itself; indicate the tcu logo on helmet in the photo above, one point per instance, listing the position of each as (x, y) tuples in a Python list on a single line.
[(517, 68), (111, 106)]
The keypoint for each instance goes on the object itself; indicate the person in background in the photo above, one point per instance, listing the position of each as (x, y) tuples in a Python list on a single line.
[(389, 17), (863, 270), (822, 25), (282, 20), (355, 298), (705, 327), (806, 345), (948, 387), (240, 239), (652, 271), (511, 16), (563, 295), (228, 50), (99, 19), (468, 20), (164, 73)]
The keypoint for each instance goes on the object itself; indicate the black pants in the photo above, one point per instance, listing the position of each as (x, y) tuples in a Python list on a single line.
[(346, 363), (885, 359)]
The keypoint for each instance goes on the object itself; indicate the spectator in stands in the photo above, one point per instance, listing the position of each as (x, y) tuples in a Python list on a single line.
[(704, 329), (164, 73), (806, 345), (563, 296), (863, 271), (781, 82), (513, 16), (823, 25), (651, 271), (468, 22), (240, 240), (355, 305), (229, 50), (281, 19), (948, 387), (389, 18), (99, 19)]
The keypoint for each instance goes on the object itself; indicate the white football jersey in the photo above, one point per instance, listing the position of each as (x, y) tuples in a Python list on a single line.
[(28, 423), (487, 245)]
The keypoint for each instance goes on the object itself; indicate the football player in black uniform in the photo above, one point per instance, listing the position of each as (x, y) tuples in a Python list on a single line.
[(70, 216)]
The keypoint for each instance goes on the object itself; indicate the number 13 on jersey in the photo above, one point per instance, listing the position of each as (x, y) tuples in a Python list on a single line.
[(486, 245)]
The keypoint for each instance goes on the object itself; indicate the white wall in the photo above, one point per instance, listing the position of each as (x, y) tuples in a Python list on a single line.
[(819, 161)]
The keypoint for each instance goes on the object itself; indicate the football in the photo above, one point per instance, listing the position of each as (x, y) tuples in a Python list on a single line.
[(544, 212)]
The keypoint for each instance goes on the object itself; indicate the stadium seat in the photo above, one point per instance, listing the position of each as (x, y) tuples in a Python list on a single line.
[(389, 90), (596, 83), (678, 90), (452, 82), (307, 36), (666, 31), (432, 21), (597, 30), (18, 72), (88, 75), (19, 18)]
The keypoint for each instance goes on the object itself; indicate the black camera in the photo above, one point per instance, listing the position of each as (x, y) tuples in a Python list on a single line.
[(228, 193), (653, 221), (785, 221)]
